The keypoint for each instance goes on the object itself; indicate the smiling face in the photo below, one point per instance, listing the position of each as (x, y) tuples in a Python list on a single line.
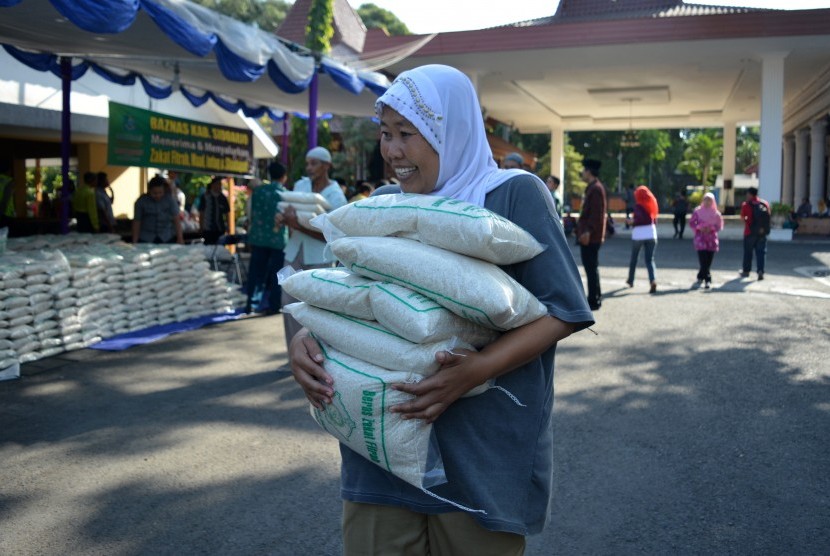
[(413, 159)]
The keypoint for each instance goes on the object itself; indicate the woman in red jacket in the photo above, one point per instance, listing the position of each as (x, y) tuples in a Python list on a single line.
[(644, 234)]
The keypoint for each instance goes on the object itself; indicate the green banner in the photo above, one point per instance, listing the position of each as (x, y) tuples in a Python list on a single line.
[(147, 139)]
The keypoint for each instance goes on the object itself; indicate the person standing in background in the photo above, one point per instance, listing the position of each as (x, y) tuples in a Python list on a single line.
[(156, 215), (305, 248), (85, 206), (681, 207), (756, 216), (553, 183), (628, 196), (590, 230), (267, 242), (513, 161), (706, 222), (103, 201), (644, 234), (213, 210)]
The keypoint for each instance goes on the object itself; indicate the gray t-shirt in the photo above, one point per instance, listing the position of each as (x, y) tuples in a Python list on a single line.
[(498, 457), (156, 219)]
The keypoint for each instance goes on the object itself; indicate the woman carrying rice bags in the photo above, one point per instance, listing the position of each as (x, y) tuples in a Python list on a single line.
[(497, 457)]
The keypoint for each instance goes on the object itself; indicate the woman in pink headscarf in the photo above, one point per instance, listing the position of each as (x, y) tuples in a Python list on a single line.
[(643, 234), (706, 222)]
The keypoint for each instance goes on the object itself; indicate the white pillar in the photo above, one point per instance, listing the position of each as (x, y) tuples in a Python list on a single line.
[(800, 166), (788, 183), (557, 159), (818, 135), (730, 140), (772, 127)]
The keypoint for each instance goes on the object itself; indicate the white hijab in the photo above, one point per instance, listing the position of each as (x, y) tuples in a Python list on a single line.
[(442, 104)]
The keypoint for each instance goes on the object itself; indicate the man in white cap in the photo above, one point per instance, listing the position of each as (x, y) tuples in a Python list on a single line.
[(513, 160), (305, 248)]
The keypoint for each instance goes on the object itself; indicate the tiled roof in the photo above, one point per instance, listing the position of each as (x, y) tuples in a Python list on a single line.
[(588, 10), (293, 26), (349, 31), (686, 10)]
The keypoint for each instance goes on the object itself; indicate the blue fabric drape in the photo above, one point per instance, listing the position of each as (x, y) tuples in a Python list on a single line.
[(198, 31)]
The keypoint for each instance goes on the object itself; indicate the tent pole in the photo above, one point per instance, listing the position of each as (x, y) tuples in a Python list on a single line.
[(312, 112), (284, 153), (66, 140)]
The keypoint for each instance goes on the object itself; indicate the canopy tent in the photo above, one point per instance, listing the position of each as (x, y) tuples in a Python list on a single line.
[(168, 44), (176, 45)]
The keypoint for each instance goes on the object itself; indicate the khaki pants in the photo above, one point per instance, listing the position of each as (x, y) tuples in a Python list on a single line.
[(371, 529)]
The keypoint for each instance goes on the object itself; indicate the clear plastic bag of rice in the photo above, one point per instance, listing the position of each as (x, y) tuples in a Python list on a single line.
[(450, 224), (469, 287)]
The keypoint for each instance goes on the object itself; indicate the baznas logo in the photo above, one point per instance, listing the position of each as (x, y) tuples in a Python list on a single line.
[(337, 416), (129, 123)]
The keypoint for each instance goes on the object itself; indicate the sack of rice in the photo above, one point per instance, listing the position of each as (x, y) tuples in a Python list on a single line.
[(419, 319), (359, 418), (333, 289), (313, 208), (307, 198), (447, 223), (369, 341), (469, 287)]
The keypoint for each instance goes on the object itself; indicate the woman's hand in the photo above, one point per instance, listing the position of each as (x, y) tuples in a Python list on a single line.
[(306, 366), (459, 373)]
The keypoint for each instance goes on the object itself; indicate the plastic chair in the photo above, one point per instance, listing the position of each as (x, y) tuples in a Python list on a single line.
[(230, 263)]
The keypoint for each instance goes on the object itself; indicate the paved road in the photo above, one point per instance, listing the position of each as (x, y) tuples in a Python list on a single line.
[(693, 422)]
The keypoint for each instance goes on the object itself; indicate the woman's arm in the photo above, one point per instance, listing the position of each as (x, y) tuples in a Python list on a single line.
[(461, 372)]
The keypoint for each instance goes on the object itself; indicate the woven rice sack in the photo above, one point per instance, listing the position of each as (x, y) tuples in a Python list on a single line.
[(469, 287), (454, 225)]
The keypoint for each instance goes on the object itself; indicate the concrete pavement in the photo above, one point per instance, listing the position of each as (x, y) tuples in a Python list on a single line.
[(692, 422)]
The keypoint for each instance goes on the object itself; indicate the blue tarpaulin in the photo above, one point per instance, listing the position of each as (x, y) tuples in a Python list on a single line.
[(154, 333)]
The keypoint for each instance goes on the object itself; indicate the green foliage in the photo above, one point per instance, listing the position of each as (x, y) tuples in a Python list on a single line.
[(299, 145), (320, 30), (375, 17), (359, 138), (51, 179), (695, 197), (193, 185), (703, 155), (240, 203), (266, 14), (748, 148), (781, 209), (572, 182)]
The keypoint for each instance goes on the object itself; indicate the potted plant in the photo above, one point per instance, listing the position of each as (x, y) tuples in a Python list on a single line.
[(779, 214)]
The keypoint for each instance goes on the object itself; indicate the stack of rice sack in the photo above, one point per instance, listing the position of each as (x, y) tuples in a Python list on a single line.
[(420, 276), (307, 204), (95, 288), (28, 330)]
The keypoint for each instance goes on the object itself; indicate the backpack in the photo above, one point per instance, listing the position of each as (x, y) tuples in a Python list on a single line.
[(760, 219)]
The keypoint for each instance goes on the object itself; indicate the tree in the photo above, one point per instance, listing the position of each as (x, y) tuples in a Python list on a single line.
[(703, 155), (266, 14), (359, 137), (319, 31), (748, 148), (375, 17)]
